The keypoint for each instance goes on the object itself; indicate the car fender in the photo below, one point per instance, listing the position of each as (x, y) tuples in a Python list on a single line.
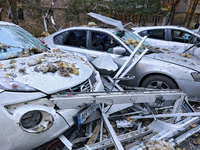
[(175, 72)]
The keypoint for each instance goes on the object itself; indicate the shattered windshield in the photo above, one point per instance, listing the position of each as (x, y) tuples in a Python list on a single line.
[(14, 39), (132, 40)]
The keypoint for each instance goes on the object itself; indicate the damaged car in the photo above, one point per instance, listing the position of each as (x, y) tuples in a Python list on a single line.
[(174, 38), (30, 74), (157, 69)]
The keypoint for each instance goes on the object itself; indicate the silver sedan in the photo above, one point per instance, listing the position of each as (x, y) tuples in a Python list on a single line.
[(165, 70)]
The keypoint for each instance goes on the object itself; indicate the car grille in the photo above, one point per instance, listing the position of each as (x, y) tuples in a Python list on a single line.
[(83, 87)]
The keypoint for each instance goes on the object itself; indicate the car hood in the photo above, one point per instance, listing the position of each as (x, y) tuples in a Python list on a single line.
[(35, 71), (179, 59), (107, 20)]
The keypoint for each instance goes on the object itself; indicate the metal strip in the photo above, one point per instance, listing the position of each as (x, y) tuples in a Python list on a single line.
[(167, 115), (66, 142), (187, 134), (129, 58), (116, 141), (122, 138), (132, 65), (118, 97), (182, 126)]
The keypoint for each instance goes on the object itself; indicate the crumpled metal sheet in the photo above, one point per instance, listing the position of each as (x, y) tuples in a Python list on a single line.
[(107, 20), (105, 64)]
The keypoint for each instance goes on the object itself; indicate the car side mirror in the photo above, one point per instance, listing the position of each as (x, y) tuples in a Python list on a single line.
[(119, 50), (198, 44)]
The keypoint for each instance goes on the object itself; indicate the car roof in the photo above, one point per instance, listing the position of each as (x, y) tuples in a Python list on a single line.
[(108, 30), (160, 27), (7, 23), (138, 29)]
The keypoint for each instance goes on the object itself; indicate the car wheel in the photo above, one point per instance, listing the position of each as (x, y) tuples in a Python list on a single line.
[(159, 82)]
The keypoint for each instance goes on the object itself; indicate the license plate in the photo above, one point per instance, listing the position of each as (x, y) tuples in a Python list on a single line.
[(82, 117)]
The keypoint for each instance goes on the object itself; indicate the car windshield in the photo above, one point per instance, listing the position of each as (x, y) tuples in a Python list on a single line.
[(131, 39), (14, 39)]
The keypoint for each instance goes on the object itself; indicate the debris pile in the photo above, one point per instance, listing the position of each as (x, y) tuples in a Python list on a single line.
[(51, 61), (132, 120), (142, 119)]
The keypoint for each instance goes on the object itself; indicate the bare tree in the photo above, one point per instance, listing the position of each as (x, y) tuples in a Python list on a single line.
[(192, 12), (174, 4)]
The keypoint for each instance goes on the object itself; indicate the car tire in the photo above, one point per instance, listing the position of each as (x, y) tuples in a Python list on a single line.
[(159, 82)]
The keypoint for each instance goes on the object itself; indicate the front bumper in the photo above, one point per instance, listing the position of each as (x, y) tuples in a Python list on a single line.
[(191, 88), (13, 105)]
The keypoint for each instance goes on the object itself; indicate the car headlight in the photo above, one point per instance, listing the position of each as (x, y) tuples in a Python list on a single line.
[(196, 76), (11, 85), (36, 121), (31, 119)]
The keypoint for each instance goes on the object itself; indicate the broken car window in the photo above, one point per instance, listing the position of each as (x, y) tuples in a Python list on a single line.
[(155, 34), (132, 40), (182, 36), (14, 39), (60, 38), (76, 38), (103, 42)]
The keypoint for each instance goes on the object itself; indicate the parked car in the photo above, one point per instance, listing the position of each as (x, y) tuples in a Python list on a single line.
[(174, 38), (29, 75), (155, 70)]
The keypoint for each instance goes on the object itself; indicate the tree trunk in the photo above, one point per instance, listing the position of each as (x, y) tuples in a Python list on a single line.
[(156, 20), (13, 7), (186, 16), (140, 19), (172, 15), (143, 22), (172, 12), (192, 12)]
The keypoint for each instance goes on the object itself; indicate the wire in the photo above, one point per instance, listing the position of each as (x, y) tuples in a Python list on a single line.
[(56, 146), (64, 119), (52, 143)]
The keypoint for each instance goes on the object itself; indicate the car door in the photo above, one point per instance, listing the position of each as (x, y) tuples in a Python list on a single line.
[(89, 43), (101, 42), (156, 37), (180, 40), (97, 43)]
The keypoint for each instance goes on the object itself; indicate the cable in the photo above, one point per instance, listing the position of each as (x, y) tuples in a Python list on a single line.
[(52, 143), (56, 146), (64, 119)]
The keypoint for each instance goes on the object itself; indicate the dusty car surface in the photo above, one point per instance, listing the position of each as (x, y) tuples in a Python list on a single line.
[(29, 75), (164, 70), (174, 38)]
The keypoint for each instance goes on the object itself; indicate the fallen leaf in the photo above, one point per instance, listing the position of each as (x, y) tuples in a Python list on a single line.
[(193, 125)]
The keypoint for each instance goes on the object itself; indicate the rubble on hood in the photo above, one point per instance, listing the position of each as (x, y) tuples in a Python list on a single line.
[(49, 61), (186, 55)]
